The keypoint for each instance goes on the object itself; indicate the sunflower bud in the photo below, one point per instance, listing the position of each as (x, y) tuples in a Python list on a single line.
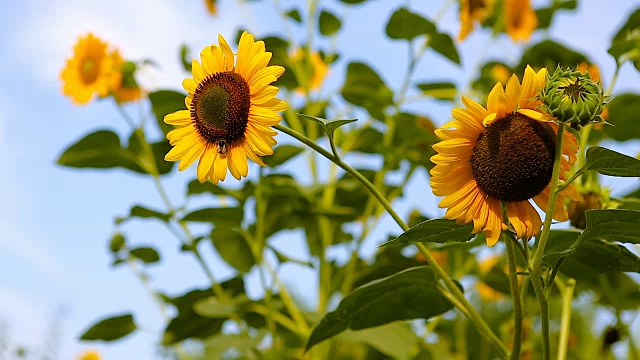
[(588, 201), (573, 97)]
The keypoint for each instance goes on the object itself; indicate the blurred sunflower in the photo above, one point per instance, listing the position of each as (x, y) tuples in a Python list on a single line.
[(90, 355), (229, 111), (520, 19), (501, 153), (211, 6), (317, 68), (471, 11), (124, 86), (89, 71)]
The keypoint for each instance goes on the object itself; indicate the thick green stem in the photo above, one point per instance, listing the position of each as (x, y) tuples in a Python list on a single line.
[(453, 291), (536, 266), (565, 325), (515, 297)]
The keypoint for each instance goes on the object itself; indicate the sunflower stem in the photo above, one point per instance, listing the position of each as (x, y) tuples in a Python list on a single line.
[(453, 291), (536, 267), (565, 324), (515, 297)]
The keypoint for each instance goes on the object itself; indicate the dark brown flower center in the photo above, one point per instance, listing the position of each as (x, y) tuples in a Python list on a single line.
[(513, 160), (89, 68), (220, 108)]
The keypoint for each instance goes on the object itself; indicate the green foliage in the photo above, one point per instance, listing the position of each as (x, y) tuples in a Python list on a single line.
[(329, 24), (165, 102), (398, 297), (550, 54), (222, 216), (363, 87), (439, 90), (609, 162), (545, 15), (282, 154), (233, 248), (435, 230), (623, 114), (147, 255), (625, 45), (111, 328), (407, 25)]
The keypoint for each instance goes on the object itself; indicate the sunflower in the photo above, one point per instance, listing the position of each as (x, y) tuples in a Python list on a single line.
[(90, 355), (470, 11), (520, 19), (230, 109), (89, 71), (318, 68), (501, 153), (211, 6), (124, 87)]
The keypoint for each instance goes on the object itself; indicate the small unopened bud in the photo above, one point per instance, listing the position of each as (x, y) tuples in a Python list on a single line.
[(589, 201), (573, 97)]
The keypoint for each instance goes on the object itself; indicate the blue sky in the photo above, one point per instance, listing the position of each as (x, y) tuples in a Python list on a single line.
[(56, 222)]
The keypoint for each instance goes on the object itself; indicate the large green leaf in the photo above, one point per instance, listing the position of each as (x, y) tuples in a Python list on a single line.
[(395, 340), (613, 225), (233, 248), (623, 114), (189, 324), (164, 102), (99, 150), (364, 87), (550, 54), (226, 215), (328, 23), (436, 231), (195, 187), (443, 44), (625, 45), (411, 294), (282, 154), (404, 24), (146, 213), (111, 328), (609, 162)]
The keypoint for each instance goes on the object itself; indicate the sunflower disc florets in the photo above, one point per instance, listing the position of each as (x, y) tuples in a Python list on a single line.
[(573, 97)]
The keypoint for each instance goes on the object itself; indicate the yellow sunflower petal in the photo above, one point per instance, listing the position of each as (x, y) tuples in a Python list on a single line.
[(266, 94), (197, 71), (513, 92), (206, 163), (493, 227), (535, 115), (178, 118), (192, 155), (239, 159), (180, 132), (265, 77), (220, 167), (497, 101), (208, 64), (228, 54), (244, 47)]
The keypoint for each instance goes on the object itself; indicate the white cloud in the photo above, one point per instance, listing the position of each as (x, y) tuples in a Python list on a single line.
[(140, 29)]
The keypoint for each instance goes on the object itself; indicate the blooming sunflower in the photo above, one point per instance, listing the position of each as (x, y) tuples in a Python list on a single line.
[(318, 67), (229, 111), (89, 71), (520, 19), (124, 87), (501, 153), (470, 11)]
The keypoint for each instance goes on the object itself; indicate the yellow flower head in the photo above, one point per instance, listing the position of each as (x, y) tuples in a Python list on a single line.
[(471, 11), (520, 19), (318, 68), (591, 69), (90, 355), (124, 86), (230, 108), (503, 152), (89, 71)]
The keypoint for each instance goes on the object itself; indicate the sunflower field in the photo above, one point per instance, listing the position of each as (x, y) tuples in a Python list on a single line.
[(362, 179)]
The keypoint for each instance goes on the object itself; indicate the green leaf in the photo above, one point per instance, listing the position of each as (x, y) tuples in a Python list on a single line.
[(294, 14), (363, 87), (117, 242), (224, 215), (399, 297), (435, 230), (147, 255), (146, 213), (613, 225), (164, 102), (99, 150), (329, 24), (623, 114), (443, 44), (282, 154), (625, 45), (210, 307), (139, 153), (550, 54), (330, 126), (545, 15), (195, 187), (111, 328), (404, 24), (439, 90), (185, 55), (233, 248), (189, 324), (395, 340), (609, 162)]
